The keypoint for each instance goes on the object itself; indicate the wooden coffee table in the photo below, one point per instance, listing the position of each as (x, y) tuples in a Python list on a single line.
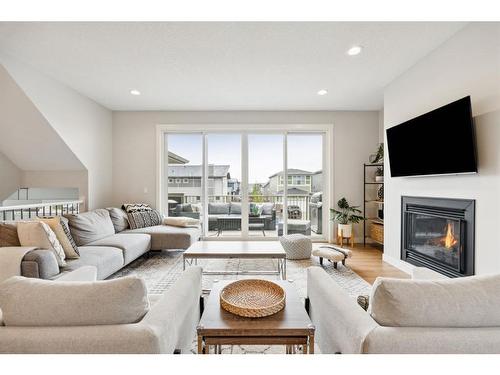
[(239, 250), (290, 327)]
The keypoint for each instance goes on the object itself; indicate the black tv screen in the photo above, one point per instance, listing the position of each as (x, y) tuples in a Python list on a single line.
[(439, 142)]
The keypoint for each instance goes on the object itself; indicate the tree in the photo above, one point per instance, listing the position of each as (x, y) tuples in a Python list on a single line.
[(256, 193)]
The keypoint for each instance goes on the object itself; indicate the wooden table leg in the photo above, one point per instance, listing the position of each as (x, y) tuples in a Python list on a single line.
[(311, 344), (200, 344)]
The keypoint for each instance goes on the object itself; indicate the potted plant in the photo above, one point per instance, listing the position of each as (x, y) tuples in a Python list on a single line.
[(378, 157), (379, 174), (345, 216)]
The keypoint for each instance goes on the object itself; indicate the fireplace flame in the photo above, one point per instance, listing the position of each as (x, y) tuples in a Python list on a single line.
[(449, 239)]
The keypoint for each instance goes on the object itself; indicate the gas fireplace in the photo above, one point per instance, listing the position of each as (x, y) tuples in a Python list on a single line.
[(438, 233)]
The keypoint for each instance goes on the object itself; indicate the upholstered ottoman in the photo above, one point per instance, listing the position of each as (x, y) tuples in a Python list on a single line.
[(297, 246), (334, 254)]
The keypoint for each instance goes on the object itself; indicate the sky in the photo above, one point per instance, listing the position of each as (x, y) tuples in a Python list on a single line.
[(265, 152)]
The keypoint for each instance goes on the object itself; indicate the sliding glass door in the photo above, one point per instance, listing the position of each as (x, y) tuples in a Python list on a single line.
[(247, 185)]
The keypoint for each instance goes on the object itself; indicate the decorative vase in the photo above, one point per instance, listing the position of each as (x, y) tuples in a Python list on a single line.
[(344, 230)]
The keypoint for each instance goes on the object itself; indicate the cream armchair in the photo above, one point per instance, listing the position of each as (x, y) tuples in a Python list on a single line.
[(407, 316), (168, 326)]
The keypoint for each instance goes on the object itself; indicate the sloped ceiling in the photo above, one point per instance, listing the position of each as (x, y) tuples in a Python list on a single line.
[(26, 137)]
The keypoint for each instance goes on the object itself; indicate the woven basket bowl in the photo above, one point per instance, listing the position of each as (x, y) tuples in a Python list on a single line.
[(252, 298)]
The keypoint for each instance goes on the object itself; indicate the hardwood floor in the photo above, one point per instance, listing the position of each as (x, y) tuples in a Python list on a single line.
[(367, 262)]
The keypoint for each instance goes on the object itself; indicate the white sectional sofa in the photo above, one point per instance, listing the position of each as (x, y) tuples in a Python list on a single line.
[(105, 242), (408, 316)]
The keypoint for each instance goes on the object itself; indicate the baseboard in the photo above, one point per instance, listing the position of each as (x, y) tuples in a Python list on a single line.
[(398, 263)]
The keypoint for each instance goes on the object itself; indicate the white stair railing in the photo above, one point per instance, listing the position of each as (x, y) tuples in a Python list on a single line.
[(29, 211)]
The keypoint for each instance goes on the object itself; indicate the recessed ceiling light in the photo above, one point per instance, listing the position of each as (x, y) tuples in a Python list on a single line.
[(354, 50), (323, 92), (135, 92)]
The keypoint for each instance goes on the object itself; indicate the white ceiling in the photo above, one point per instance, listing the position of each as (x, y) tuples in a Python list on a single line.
[(226, 66)]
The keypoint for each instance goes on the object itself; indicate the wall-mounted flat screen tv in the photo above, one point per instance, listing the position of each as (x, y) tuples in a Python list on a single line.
[(438, 142)]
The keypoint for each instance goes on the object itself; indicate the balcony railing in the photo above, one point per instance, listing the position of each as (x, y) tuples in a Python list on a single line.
[(29, 211), (293, 200)]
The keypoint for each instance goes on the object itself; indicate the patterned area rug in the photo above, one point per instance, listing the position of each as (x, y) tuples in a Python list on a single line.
[(160, 270)]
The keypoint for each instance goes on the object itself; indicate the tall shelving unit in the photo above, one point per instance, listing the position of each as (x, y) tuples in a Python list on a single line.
[(368, 200)]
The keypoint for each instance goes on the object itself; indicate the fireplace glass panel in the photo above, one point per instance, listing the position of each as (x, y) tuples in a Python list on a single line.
[(435, 237)]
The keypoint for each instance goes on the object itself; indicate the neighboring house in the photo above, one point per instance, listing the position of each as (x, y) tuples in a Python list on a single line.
[(185, 181), (317, 181), (233, 186), (298, 179)]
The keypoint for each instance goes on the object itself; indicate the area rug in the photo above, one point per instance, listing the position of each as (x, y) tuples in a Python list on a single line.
[(161, 269)]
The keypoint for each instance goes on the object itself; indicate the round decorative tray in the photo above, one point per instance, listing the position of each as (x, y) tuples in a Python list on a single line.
[(252, 298)]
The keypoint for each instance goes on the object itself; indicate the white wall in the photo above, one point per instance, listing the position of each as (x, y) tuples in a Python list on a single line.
[(10, 177), (134, 146), (59, 179), (85, 126), (467, 64)]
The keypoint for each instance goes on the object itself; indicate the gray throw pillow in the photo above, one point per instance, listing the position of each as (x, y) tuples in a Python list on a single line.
[(90, 226), (119, 218)]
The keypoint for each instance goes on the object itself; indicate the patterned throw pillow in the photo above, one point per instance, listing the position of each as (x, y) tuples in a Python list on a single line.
[(63, 235), (70, 238), (136, 207), (143, 219)]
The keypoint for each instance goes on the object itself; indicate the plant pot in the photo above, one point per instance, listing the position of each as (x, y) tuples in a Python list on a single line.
[(379, 178), (344, 229)]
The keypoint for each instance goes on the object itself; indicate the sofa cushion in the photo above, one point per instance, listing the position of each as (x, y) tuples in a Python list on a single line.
[(143, 219), (107, 260), (8, 234), (218, 208), (58, 303), (168, 237), (463, 302), (267, 208), (119, 218), (90, 226), (133, 245), (39, 234), (235, 208), (181, 221), (184, 207)]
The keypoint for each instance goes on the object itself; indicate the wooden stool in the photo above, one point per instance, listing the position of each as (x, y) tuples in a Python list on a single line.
[(340, 238)]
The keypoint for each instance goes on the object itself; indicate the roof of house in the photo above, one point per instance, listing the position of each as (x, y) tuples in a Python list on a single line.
[(196, 171), (292, 171), (294, 191), (176, 159)]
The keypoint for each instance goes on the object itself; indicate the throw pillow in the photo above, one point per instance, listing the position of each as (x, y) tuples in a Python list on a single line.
[(255, 210), (136, 207), (119, 219), (143, 219), (180, 221), (8, 235), (364, 302), (38, 234), (90, 226), (69, 246)]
